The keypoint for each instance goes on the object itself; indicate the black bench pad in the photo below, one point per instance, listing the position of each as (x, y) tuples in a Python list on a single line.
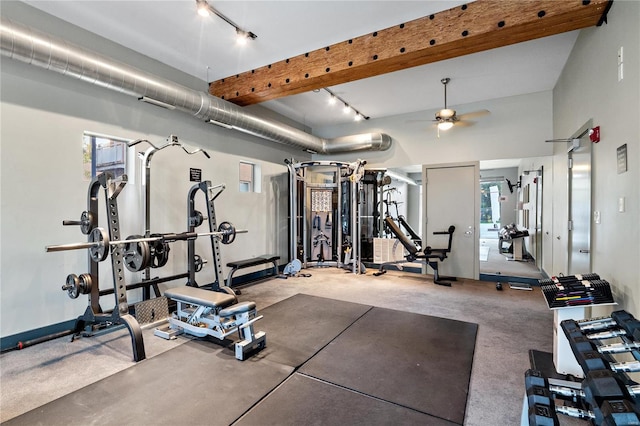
[(198, 296), (246, 263)]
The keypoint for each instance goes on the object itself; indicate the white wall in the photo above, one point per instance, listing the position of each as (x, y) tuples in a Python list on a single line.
[(44, 116), (589, 89)]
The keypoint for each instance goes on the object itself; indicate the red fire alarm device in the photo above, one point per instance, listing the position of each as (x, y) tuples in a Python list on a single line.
[(594, 134)]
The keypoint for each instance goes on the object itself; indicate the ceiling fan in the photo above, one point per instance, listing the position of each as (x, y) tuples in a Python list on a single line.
[(446, 118)]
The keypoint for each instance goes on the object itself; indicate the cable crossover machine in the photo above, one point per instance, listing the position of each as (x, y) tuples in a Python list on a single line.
[(324, 216)]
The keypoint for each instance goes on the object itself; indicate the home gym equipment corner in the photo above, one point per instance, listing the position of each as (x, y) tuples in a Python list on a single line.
[(339, 213), (211, 309)]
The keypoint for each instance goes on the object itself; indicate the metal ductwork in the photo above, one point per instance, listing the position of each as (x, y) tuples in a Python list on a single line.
[(36, 48), (363, 142)]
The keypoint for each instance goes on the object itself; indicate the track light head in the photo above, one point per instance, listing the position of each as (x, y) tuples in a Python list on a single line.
[(203, 8)]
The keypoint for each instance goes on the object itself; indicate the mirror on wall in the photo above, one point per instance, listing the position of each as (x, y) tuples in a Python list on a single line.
[(504, 203)]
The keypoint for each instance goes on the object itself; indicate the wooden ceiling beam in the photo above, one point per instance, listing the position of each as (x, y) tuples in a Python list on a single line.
[(463, 30)]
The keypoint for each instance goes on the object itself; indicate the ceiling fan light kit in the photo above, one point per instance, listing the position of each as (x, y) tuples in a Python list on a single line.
[(446, 118), (445, 114), (445, 125)]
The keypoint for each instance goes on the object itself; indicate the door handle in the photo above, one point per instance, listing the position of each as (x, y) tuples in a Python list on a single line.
[(584, 251)]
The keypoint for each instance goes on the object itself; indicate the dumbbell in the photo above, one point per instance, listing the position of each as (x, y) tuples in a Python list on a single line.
[(628, 323), (583, 348), (601, 391), (540, 397), (608, 397), (618, 412), (625, 322), (616, 318), (589, 355), (541, 406), (596, 324), (617, 348)]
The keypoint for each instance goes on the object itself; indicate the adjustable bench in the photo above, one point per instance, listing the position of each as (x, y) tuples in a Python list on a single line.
[(428, 256), (210, 313), (247, 263)]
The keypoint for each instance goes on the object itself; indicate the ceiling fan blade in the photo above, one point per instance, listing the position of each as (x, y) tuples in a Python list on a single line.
[(418, 121), (474, 114), (463, 123)]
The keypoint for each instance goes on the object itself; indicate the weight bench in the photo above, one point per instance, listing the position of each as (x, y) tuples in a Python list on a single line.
[(247, 263), (428, 256), (210, 313)]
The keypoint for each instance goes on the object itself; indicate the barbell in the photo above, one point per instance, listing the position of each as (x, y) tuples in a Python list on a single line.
[(99, 242)]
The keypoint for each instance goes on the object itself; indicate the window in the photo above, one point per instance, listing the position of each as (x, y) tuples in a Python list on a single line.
[(249, 174), (103, 154), (490, 206), (246, 177)]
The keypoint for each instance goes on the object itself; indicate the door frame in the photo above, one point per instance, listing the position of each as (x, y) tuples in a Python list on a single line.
[(583, 141), (475, 208)]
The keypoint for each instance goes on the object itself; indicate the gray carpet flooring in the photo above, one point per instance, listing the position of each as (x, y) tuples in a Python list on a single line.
[(510, 323)]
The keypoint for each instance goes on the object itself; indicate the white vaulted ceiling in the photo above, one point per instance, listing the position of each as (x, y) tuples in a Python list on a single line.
[(173, 33)]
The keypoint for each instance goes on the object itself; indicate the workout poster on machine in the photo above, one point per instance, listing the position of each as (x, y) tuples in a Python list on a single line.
[(321, 207), (321, 201)]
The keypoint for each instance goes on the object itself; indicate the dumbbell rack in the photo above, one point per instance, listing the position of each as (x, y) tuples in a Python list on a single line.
[(568, 297), (608, 351)]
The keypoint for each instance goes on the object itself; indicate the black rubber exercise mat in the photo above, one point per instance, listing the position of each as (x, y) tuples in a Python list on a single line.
[(197, 383), (373, 365), (416, 361), (302, 400), (301, 325)]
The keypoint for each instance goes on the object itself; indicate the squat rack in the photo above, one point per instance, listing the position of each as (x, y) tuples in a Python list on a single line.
[(145, 158)]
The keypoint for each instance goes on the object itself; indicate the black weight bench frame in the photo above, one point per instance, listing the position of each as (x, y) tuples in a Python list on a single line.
[(247, 263), (428, 256)]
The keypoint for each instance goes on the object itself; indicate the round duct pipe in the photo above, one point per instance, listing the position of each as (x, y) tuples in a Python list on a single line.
[(27, 45)]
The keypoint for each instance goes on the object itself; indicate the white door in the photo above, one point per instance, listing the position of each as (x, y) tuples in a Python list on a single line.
[(452, 197)]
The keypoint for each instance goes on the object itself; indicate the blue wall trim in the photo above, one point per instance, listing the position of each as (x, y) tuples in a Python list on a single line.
[(507, 278), (11, 342)]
